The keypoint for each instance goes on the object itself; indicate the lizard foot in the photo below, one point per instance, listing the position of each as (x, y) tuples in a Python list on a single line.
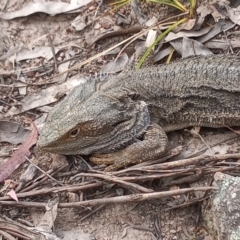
[(152, 146), (115, 160)]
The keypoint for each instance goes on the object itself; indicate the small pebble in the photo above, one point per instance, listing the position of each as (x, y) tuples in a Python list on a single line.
[(97, 26), (106, 25)]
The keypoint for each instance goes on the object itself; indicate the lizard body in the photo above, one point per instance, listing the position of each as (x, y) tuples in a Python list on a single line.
[(124, 119)]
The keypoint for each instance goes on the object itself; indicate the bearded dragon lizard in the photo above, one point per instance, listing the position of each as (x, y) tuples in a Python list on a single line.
[(124, 119)]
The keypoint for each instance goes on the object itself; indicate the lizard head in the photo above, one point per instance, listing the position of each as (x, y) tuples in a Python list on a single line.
[(100, 124)]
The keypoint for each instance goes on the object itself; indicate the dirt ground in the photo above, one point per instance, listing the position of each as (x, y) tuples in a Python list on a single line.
[(32, 81)]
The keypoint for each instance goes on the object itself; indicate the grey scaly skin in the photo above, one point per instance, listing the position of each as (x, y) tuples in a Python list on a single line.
[(123, 120)]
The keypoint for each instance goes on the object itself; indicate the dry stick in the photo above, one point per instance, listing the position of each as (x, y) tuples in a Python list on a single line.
[(172, 153), (192, 161), (67, 174), (42, 178), (3, 85), (229, 43), (11, 91), (6, 235), (52, 47), (99, 4), (159, 175), (46, 72), (24, 204), (222, 169), (136, 167), (31, 162), (132, 186), (187, 203), (29, 84), (139, 167), (133, 29), (227, 163), (74, 188), (9, 106), (91, 185), (16, 228), (229, 139), (17, 234), (6, 5), (91, 213), (195, 133), (142, 228), (202, 172), (186, 179), (187, 175), (138, 197), (158, 171)]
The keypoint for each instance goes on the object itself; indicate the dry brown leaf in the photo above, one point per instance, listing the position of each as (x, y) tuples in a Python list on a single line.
[(222, 44), (7, 168), (141, 17), (12, 132), (51, 8), (12, 194), (44, 52), (116, 65), (162, 54), (186, 26), (206, 9), (79, 23), (216, 14), (217, 28), (45, 96), (192, 47), (234, 14), (188, 47), (172, 36)]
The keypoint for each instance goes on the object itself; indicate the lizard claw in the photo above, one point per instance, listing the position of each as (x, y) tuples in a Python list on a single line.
[(112, 159), (116, 160), (106, 159)]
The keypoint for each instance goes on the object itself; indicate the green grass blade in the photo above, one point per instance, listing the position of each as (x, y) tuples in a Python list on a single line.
[(159, 38), (172, 3), (193, 4)]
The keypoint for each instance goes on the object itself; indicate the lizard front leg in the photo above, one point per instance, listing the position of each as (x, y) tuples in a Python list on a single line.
[(152, 146)]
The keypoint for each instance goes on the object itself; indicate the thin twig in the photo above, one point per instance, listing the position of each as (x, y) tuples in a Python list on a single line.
[(43, 171), (139, 197), (69, 188), (140, 167), (196, 161), (132, 186), (52, 47), (41, 179)]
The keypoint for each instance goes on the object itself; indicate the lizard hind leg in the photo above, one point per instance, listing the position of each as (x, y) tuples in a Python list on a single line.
[(151, 147)]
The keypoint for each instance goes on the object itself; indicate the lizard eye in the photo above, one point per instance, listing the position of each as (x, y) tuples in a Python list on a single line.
[(74, 133)]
